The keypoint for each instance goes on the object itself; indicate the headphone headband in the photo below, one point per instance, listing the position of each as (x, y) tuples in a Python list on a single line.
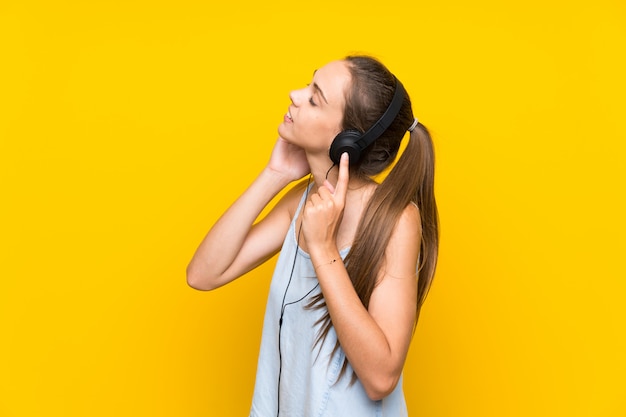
[(386, 119)]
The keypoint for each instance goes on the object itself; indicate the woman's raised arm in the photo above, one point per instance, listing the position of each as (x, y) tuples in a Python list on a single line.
[(235, 245)]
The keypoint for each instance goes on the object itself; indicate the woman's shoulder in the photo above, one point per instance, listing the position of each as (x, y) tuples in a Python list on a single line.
[(292, 198), (410, 220)]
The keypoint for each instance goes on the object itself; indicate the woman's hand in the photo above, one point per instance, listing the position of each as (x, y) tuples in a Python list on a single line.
[(324, 211), (288, 160)]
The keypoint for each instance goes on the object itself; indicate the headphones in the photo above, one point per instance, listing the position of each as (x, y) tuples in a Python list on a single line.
[(355, 142)]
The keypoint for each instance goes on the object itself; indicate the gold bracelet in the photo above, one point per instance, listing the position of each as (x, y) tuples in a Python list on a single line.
[(327, 263)]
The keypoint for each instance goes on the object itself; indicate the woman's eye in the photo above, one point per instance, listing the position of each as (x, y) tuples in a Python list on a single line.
[(312, 102)]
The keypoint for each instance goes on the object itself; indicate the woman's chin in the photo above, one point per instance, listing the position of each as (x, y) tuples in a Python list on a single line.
[(283, 132)]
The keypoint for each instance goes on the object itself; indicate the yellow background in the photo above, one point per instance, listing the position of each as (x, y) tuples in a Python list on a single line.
[(127, 127)]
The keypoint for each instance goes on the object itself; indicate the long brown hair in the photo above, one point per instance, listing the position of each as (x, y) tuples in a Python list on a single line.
[(410, 181)]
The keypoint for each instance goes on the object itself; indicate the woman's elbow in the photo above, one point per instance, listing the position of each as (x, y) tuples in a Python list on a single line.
[(197, 280), (381, 387)]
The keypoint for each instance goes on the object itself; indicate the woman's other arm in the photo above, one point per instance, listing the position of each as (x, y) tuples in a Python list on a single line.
[(235, 245)]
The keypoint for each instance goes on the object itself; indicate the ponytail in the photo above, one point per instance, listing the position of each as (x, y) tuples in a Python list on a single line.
[(422, 151), (410, 181)]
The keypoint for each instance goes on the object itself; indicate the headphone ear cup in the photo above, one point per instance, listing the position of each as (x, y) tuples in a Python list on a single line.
[(346, 141)]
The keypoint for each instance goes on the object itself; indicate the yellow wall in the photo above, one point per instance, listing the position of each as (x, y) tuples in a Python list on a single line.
[(126, 127)]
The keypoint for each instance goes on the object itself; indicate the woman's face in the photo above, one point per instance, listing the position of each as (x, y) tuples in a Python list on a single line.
[(316, 113)]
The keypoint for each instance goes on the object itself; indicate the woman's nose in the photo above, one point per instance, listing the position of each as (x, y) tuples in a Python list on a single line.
[(295, 97)]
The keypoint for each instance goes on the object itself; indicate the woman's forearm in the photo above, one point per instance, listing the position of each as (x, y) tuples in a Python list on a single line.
[(224, 241)]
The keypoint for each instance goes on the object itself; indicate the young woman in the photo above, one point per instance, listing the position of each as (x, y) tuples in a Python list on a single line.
[(357, 257)]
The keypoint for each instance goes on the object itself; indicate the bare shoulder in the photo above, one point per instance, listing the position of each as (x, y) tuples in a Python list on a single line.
[(290, 200), (403, 248), (409, 224)]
